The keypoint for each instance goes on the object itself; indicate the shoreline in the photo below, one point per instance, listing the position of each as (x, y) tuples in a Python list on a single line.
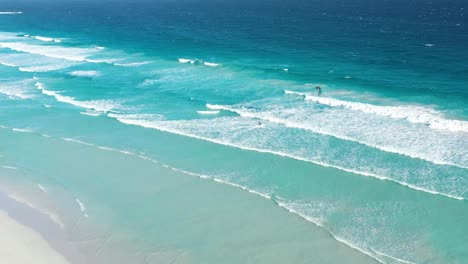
[(31, 236)]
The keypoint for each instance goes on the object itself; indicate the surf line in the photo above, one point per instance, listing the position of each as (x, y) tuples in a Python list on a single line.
[(272, 197), (282, 154), (206, 177)]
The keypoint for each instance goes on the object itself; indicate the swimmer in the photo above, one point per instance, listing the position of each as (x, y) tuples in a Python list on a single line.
[(317, 88)]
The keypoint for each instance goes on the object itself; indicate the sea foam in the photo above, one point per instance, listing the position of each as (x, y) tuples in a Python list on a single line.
[(414, 114), (223, 133), (84, 73), (380, 135), (97, 105), (10, 13)]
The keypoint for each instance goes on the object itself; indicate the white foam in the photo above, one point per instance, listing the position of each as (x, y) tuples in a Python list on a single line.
[(208, 112), (320, 210), (10, 13), (216, 107), (58, 52), (429, 45), (285, 70), (9, 167), (171, 127), (201, 176), (82, 207), (97, 105), (22, 130), (413, 114), (8, 64), (27, 62), (84, 73), (391, 257), (319, 222), (17, 90), (45, 39), (181, 60), (211, 64), (91, 113), (355, 132), (42, 188), (133, 64), (41, 68), (206, 63)]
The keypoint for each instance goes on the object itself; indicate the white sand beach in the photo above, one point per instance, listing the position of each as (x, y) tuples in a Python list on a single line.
[(20, 244)]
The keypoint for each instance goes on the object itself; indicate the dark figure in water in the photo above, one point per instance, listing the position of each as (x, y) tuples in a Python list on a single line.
[(317, 88), (259, 123)]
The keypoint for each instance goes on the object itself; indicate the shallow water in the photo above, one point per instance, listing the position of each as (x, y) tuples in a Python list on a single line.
[(130, 114)]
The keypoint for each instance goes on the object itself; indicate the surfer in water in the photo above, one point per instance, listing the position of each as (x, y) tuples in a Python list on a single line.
[(317, 88)]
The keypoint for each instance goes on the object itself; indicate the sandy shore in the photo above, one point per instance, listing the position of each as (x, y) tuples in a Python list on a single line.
[(21, 244), (28, 236)]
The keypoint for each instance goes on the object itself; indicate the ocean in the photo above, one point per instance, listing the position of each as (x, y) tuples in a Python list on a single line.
[(190, 131)]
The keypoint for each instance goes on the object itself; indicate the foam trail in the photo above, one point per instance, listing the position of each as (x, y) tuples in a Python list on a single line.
[(45, 39), (368, 140), (9, 167), (208, 112), (181, 60), (161, 127), (22, 130), (42, 188), (205, 177), (320, 224), (97, 105), (16, 90), (84, 73), (267, 196), (82, 207), (10, 13), (133, 64), (394, 258), (26, 62), (413, 114), (91, 113), (58, 52), (211, 64)]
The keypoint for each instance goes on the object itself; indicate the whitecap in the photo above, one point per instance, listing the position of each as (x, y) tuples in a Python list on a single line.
[(84, 73), (45, 39), (211, 64), (208, 112), (95, 105), (413, 114), (181, 60), (11, 13)]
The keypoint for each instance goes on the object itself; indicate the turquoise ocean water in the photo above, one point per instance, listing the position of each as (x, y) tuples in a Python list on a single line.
[(190, 131)]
